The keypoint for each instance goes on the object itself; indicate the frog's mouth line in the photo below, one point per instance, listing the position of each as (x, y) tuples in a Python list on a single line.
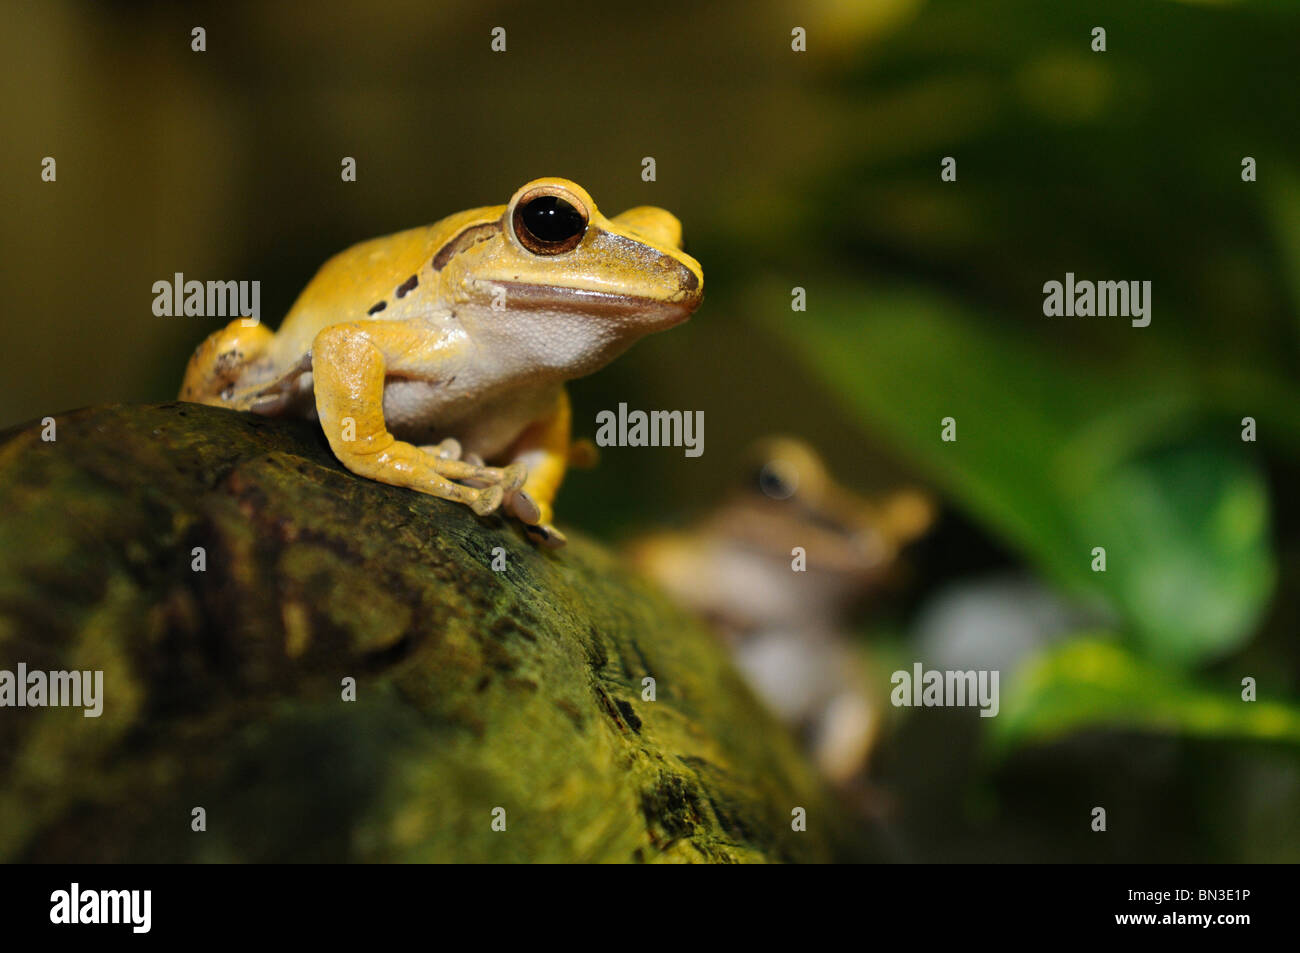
[(605, 304)]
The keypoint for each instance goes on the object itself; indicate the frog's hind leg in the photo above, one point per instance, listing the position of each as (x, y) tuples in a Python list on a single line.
[(219, 364), (545, 449)]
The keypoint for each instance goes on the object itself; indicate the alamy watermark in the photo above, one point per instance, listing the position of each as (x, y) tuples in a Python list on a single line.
[(1086, 299), (655, 428), (945, 689), (208, 299), (59, 689), (73, 906)]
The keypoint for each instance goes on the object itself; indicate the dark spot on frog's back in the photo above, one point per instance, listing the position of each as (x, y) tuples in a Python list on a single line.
[(375, 309), (407, 286)]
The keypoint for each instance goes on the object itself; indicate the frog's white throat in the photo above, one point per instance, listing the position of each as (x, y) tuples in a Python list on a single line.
[(568, 342)]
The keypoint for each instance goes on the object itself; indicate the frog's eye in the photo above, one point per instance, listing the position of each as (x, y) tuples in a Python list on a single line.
[(548, 224), (777, 479)]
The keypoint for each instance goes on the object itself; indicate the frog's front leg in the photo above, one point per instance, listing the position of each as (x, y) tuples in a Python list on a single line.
[(349, 364), (544, 449)]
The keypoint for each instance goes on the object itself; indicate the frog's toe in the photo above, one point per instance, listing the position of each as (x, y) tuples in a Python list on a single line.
[(474, 460), (513, 477), (448, 449), (487, 500), (525, 508), (546, 535)]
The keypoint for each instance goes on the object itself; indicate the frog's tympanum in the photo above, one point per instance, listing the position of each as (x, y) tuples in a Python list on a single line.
[(790, 631), (430, 354)]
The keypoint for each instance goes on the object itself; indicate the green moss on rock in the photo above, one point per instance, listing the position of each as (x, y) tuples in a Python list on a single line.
[(476, 690)]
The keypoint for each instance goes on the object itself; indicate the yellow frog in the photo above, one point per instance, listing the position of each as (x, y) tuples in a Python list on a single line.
[(428, 354)]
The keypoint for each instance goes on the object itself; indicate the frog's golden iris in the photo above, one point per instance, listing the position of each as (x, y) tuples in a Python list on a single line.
[(546, 224)]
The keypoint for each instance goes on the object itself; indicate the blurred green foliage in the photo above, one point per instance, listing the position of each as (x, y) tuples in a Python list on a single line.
[(1093, 682), (1059, 461), (925, 302)]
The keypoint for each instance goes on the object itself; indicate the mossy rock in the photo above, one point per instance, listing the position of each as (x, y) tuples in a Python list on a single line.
[(475, 689)]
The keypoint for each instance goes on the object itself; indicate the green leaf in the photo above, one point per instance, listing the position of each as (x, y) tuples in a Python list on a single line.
[(1190, 525), (1057, 459), (1095, 684)]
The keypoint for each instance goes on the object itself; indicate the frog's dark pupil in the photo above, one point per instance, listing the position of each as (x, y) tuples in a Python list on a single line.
[(551, 219), (773, 485)]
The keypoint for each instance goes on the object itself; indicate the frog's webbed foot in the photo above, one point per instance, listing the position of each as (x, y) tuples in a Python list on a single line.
[(490, 486), (498, 487), (507, 479), (448, 460)]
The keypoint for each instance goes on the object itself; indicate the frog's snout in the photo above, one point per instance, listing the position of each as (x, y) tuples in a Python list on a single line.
[(683, 288), (690, 286)]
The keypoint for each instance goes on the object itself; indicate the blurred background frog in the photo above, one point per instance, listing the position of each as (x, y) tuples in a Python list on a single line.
[(779, 567)]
